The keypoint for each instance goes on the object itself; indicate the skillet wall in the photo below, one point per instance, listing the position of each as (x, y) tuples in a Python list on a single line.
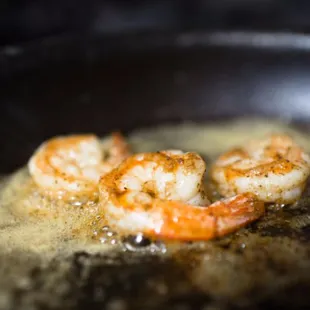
[(67, 85)]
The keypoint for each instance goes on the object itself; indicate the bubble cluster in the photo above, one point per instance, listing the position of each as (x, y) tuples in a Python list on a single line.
[(140, 243), (107, 236)]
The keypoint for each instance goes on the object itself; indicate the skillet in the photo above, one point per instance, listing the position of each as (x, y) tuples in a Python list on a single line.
[(76, 84)]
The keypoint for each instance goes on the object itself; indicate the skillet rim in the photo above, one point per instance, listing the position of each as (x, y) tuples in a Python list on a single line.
[(15, 58)]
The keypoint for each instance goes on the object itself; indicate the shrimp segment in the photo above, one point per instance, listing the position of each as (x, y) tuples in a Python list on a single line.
[(117, 150), (166, 208), (73, 164), (180, 221), (275, 169)]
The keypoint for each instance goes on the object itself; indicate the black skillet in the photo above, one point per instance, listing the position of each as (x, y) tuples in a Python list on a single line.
[(66, 85)]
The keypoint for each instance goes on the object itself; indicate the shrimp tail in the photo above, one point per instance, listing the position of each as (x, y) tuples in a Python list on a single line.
[(120, 147), (185, 222)]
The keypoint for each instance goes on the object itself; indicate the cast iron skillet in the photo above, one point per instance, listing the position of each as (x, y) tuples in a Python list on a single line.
[(66, 85)]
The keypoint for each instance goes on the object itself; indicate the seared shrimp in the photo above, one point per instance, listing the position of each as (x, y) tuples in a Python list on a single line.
[(275, 169), (162, 195), (73, 164)]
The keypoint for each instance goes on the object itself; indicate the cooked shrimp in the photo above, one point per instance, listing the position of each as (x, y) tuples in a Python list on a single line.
[(73, 164), (162, 195), (275, 169)]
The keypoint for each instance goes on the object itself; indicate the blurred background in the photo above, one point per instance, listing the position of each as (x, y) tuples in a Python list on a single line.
[(29, 20)]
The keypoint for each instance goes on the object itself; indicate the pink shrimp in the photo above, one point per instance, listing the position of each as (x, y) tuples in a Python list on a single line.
[(162, 195), (73, 164)]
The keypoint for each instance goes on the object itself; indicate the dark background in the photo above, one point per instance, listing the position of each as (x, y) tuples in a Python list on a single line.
[(26, 20)]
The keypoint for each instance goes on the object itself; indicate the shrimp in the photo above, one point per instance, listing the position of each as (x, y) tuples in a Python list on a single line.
[(73, 164), (275, 169), (162, 195)]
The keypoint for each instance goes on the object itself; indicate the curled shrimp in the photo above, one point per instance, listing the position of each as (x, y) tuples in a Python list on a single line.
[(275, 169), (162, 195), (73, 164)]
